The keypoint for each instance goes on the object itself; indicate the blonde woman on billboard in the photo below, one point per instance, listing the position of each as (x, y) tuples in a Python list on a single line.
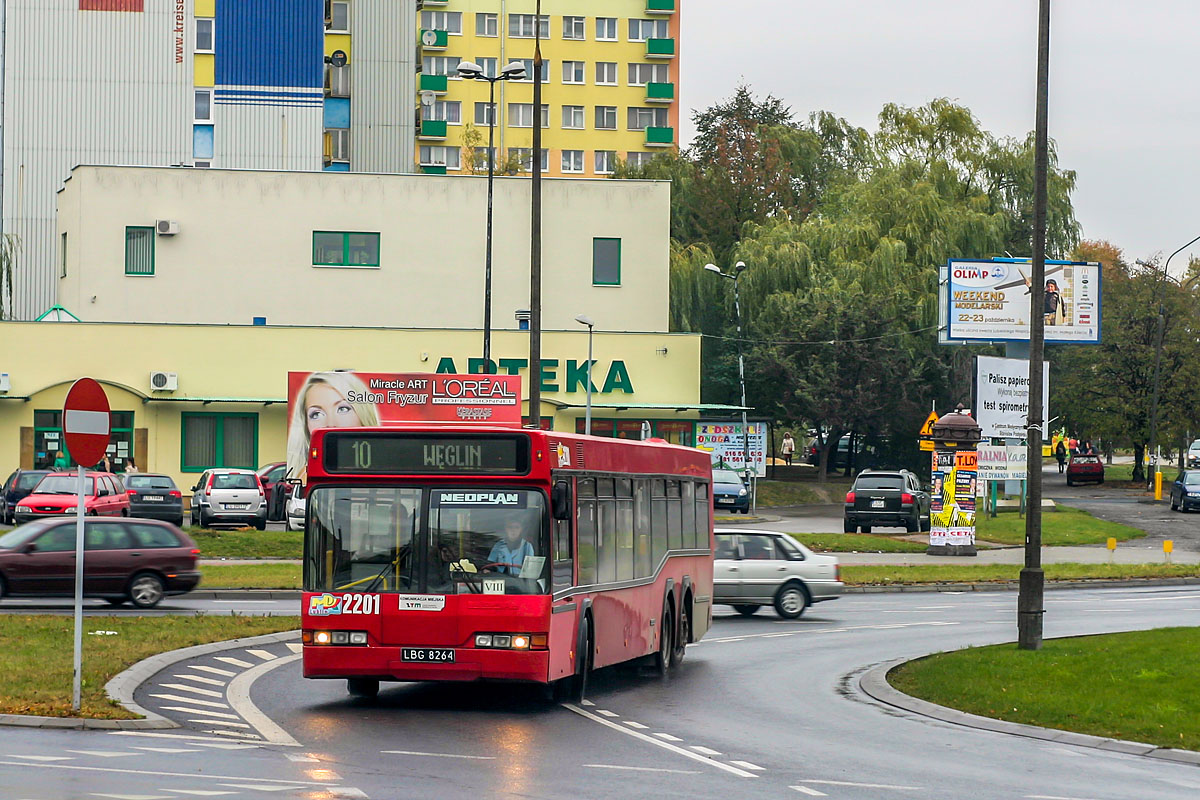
[(322, 403)]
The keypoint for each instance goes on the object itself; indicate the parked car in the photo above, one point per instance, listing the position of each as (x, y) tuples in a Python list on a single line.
[(729, 492), (1193, 454), (1085, 469), (230, 497), (18, 486), (893, 498), (55, 495), (154, 496), (759, 568), (1185, 491), (271, 476), (139, 561), (295, 507)]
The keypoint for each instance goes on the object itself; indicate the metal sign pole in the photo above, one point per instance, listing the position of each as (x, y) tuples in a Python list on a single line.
[(77, 664)]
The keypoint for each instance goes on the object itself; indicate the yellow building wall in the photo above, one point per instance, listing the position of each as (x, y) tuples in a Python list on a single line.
[(338, 41), (204, 70)]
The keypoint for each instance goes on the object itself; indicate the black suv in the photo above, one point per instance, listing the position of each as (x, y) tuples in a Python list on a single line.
[(17, 488), (880, 498)]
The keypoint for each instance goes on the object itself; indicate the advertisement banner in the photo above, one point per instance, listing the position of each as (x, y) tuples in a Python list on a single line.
[(1003, 462), (723, 440), (351, 399), (1002, 394), (989, 301), (955, 484)]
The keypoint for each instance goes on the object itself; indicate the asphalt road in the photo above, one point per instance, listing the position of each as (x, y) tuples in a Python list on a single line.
[(761, 708), (186, 605)]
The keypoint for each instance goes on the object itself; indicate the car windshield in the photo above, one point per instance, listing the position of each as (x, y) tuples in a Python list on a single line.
[(63, 484), (1191, 478), (28, 480), (18, 536), (726, 476), (149, 482), (234, 481), (879, 482)]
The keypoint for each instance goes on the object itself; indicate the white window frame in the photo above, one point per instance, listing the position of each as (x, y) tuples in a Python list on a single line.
[(335, 77), (608, 66), (487, 20), (569, 164), (607, 111), (443, 63), (483, 151), (212, 32), (444, 152), (332, 16), (610, 159), (441, 21), (657, 115), (525, 155), (528, 62), (341, 144), (638, 69), (575, 28), (577, 70), (204, 120), (488, 64), (608, 22), (523, 21), (638, 158), (482, 111), (660, 29), (577, 121), (438, 111)]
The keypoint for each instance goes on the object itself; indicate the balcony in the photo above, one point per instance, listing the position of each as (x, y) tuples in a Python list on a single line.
[(660, 48), (439, 40), (660, 137), (435, 3), (660, 93), (433, 169), (653, 6), (434, 83), (432, 129)]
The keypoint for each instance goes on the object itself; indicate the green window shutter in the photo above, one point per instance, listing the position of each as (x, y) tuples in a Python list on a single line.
[(606, 262), (199, 442), (139, 251)]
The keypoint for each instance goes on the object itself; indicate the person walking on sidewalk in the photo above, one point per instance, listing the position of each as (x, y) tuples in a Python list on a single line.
[(1060, 454), (787, 448)]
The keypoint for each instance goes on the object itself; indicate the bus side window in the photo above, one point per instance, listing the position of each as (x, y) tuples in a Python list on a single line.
[(703, 528), (585, 529), (606, 541), (643, 565), (624, 533), (674, 516), (658, 522), (689, 514), (564, 563)]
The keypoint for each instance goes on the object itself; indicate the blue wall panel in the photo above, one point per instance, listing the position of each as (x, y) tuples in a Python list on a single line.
[(270, 43), (337, 112), (202, 142), (343, 167)]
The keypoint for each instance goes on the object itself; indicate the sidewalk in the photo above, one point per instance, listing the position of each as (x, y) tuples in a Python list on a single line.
[(1124, 554)]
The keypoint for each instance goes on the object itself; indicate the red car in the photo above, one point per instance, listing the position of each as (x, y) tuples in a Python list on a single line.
[(271, 475), (56, 493), (1085, 469)]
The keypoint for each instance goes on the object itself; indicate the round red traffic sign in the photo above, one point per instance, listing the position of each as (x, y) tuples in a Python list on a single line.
[(86, 421)]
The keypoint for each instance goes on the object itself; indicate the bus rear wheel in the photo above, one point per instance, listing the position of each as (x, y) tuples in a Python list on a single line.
[(681, 638), (366, 688), (666, 645)]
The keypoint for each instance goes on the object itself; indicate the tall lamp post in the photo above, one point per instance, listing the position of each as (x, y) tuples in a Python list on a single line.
[(514, 71), (584, 319), (737, 271)]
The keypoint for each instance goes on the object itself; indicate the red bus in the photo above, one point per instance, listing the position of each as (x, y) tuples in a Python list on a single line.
[(434, 552)]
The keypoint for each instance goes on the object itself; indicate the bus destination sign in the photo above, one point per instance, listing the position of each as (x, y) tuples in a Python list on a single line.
[(397, 453)]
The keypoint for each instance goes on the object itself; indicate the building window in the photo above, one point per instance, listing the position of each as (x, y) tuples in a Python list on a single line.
[(485, 25), (528, 62), (638, 160), (485, 113), (573, 27), (606, 118), (606, 73), (218, 440), (139, 250), (204, 105), (484, 156), (641, 74), (573, 71), (338, 20), (448, 21), (572, 117), (440, 65), (205, 35), (337, 80), (63, 256), (642, 118), (520, 115), (642, 29), (345, 249), (435, 156), (606, 29), (572, 161), (524, 156), (448, 111), (337, 144), (488, 65), (606, 162), (520, 26), (202, 143), (606, 262)]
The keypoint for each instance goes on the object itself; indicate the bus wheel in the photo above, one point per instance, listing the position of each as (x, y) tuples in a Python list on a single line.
[(666, 645), (576, 686), (681, 638), (366, 688)]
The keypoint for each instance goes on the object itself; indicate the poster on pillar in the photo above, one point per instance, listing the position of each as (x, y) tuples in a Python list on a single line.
[(344, 399), (725, 443), (1002, 396), (955, 481)]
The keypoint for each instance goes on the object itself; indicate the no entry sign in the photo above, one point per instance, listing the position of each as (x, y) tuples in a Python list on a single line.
[(86, 421)]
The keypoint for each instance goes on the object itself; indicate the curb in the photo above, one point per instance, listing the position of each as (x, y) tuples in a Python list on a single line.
[(243, 594), (1012, 586), (123, 685), (874, 683)]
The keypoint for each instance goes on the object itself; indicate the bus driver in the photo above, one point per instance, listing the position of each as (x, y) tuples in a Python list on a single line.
[(509, 553)]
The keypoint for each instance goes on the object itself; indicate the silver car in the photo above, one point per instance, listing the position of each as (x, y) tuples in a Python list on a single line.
[(229, 496), (294, 507), (758, 568)]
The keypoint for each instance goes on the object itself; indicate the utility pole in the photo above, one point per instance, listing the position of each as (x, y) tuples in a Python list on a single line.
[(1033, 578), (535, 236)]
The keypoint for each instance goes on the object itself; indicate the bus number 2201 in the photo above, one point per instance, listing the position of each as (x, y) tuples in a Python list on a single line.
[(360, 604)]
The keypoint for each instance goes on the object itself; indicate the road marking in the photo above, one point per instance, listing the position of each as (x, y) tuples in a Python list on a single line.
[(40, 758), (178, 699), (239, 698), (235, 734), (658, 743), (214, 670), (439, 755), (169, 749), (258, 788), (200, 792), (863, 785), (707, 751), (295, 647), (134, 796), (297, 757), (237, 662), (219, 714), (746, 765), (220, 722), (1054, 797), (201, 679), (200, 740), (644, 769), (346, 793), (777, 635), (637, 725), (604, 713), (808, 791), (183, 687), (668, 737), (104, 753), (263, 654), (227, 746), (587, 703), (160, 774)]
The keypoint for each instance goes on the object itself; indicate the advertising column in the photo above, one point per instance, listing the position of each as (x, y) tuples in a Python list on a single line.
[(955, 485)]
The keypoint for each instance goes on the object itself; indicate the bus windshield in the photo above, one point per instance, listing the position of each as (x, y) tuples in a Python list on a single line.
[(432, 541)]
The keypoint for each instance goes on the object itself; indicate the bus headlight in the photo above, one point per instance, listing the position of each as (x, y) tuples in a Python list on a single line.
[(513, 641), (520, 642), (322, 637), (358, 637)]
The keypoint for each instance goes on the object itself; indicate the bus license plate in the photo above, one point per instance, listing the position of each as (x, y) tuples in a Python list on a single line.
[(428, 655)]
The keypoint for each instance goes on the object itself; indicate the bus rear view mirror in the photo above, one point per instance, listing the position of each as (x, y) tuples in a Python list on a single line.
[(560, 500)]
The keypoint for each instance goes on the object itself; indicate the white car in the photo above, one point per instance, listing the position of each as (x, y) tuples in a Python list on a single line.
[(759, 568), (294, 508), (1193, 455)]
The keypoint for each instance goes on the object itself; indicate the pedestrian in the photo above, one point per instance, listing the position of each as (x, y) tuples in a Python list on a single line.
[(1073, 446), (787, 448), (1060, 454), (105, 464), (1088, 450), (130, 465), (60, 461)]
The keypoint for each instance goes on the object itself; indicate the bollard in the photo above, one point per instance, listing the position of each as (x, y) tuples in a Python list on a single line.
[(1112, 548), (1158, 486), (1168, 548)]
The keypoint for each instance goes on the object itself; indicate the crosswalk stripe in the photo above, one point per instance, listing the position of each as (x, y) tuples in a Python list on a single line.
[(666, 737), (295, 647), (808, 791), (705, 751), (41, 758), (183, 687), (168, 749), (220, 722), (104, 753), (263, 654), (235, 734), (200, 679), (201, 711), (746, 765), (176, 698), (258, 788), (237, 662), (214, 670)]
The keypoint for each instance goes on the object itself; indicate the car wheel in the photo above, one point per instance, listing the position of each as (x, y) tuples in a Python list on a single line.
[(1070, 482), (1174, 505), (791, 600), (204, 521), (146, 590), (366, 688), (848, 526), (746, 611), (115, 601), (3, 587), (927, 525), (912, 525), (124, 512), (287, 523), (681, 636), (179, 522), (260, 524), (865, 528)]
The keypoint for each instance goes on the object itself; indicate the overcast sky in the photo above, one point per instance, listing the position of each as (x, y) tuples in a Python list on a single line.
[(1124, 94)]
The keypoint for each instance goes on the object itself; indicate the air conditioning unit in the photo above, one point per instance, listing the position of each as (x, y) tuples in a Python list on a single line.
[(164, 381), (167, 227), (5, 383)]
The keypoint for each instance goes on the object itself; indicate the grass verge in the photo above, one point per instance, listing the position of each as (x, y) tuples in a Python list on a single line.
[(1136, 686), (857, 543), (880, 574), (35, 655), (247, 543), (1066, 526), (250, 576), (786, 493)]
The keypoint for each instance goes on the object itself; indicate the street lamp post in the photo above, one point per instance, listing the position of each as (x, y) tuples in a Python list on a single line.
[(738, 269), (514, 71), (583, 319)]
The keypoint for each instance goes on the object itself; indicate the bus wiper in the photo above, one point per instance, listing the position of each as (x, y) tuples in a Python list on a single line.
[(461, 570), (391, 565)]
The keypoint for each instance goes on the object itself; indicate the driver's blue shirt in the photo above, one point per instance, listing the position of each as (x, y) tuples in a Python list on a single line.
[(512, 558)]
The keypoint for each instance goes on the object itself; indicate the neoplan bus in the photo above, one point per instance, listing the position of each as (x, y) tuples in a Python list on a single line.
[(437, 553)]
